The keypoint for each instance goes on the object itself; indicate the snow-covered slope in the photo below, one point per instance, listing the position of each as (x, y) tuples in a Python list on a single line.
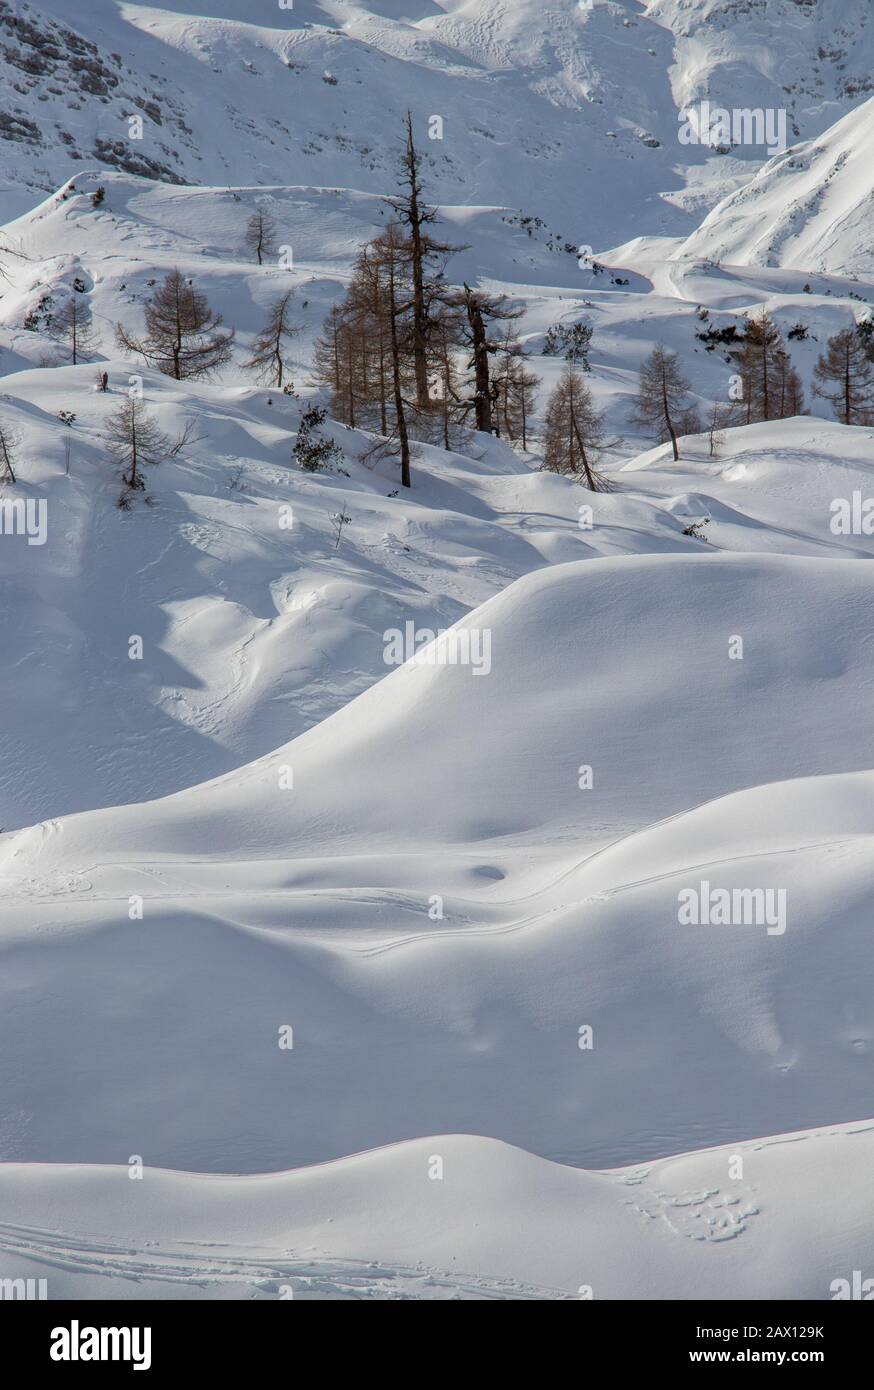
[(388, 976), (423, 872), (116, 253), (577, 115), (809, 57), (499, 1223), (254, 626), (237, 657), (306, 94), (808, 209)]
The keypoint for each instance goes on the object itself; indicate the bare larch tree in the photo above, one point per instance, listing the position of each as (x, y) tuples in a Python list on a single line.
[(73, 326), (844, 376), (261, 234), (427, 261), (9, 442), (662, 402), (574, 431), (268, 348), (134, 440), (184, 336)]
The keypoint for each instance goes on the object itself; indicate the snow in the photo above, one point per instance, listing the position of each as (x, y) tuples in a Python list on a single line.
[(440, 875), (557, 112), (675, 1229), (265, 905), (809, 208)]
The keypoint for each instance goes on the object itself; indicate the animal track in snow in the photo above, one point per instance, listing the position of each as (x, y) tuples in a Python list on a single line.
[(707, 1215)]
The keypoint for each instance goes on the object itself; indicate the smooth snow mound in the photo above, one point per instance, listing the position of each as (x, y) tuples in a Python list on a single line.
[(436, 906), (455, 1217)]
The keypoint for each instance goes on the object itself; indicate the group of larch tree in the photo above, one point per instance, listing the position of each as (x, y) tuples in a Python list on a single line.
[(406, 355)]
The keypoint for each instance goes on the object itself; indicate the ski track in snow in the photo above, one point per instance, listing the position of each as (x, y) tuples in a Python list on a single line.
[(255, 1274)]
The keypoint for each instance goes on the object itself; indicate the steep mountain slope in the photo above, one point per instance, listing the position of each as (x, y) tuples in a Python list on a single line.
[(808, 209), (299, 96), (579, 112), (809, 57)]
